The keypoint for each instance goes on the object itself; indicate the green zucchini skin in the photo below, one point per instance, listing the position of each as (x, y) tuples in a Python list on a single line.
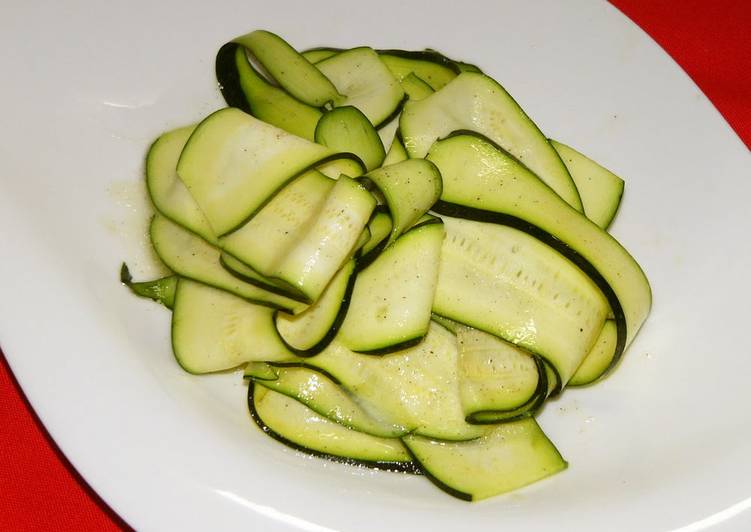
[(229, 78), (479, 215), (160, 290), (399, 467)]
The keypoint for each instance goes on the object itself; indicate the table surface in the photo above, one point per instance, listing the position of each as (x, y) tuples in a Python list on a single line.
[(40, 490)]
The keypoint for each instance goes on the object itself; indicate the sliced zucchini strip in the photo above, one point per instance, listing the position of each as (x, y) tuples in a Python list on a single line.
[(289, 68), (505, 282), (508, 457), (309, 332), (599, 358), (497, 380), (410, 188), (326, 397), (213, 330), (188, 255), (243, 87), (397, 153), (167, 191), (295, 425), (270, 235), (415, 87), (482, 182), (600, 189), (392, 297), (476, 102), (234, 163), (329, 241), (416, 388), (380, 226), (366, 83), (346, 129)]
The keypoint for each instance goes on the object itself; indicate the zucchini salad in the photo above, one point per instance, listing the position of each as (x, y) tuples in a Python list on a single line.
[(403, 264)]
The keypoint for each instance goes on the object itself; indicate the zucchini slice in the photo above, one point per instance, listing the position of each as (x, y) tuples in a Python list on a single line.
[(416, 388), (323, 395), (233, 164), (415, 87), (483, 183), (497, 380), (476, 102), (289, 69), (243, 87), (329, 241), (397, 153), (380, 226), (346, 129), (213, 330), (508, 457), (600, 189), (366, 83), (188, 255), (507, 283), (270, 235), (167, 191), (599, 358), (392, 297), (309, 332), (295, 425), (410, 188)]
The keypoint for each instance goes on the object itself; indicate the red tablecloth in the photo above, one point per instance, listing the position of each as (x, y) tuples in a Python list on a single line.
[(39, 490)]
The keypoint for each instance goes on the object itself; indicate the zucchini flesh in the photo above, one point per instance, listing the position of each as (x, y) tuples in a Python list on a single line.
[(289, 69), (246, 89), (496, 378), (270, 235), (392, 297), (167, 191), (397, 153), (600, 189), (298, 427), (213, 330), (309, 332), (512, 196), (380, 226), (476, 102), (432, 68), (505, 282), (188, 255), (347, 129), (160, 290), (508, 457), (365, 82), (416, 388), (329, 241), (233, 163), (415, 87), (409, 188), (599, 358), (325, 397)]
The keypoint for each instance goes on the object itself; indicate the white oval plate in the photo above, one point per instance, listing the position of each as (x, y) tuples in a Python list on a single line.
[(662, 444)]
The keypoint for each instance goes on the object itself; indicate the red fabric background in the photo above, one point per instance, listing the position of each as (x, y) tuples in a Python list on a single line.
[(39, 490)]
